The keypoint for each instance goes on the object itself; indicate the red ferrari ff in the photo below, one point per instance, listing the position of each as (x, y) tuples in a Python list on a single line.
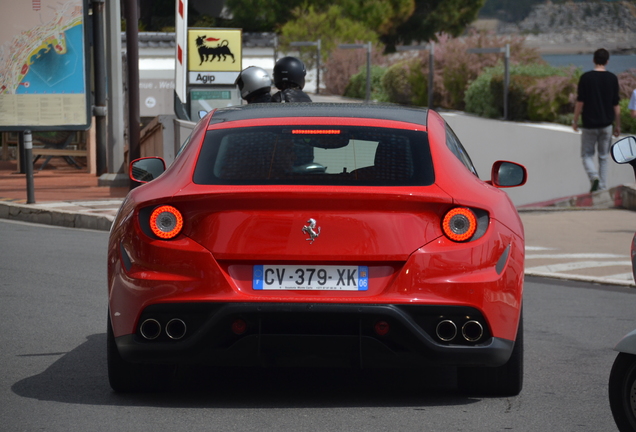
[(318, 235)]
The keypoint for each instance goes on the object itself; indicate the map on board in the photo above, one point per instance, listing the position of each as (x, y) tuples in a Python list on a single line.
[(42, 64)]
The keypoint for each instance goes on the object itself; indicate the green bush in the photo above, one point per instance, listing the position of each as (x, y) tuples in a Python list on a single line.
[(405, 83), (479, 98), (551, 99), (528, 96), (517, 97), (627, 83), (419, 84), (456, 80), (628, 123), (357, 87), (397, 82)]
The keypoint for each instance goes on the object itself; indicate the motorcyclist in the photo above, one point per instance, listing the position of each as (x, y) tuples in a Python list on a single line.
[(289, 78), (255, 85)]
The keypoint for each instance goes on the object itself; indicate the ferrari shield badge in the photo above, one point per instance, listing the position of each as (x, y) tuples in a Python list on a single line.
[(311, 230)]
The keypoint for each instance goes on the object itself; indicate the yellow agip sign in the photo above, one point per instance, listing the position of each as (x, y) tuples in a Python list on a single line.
[(215, 50)]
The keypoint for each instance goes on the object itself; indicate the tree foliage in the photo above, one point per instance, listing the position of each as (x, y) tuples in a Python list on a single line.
[(261, 15), (432, 17), (271, 15), (380, 15), (331, 27), (394, 21)]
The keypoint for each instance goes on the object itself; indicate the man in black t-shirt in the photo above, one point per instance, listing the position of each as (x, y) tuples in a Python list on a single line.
[(597, 104)]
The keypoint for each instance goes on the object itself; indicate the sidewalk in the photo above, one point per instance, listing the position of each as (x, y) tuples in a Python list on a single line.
[(563, 240), (64, 196)]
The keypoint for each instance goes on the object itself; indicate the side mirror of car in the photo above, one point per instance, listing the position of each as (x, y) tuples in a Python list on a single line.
[(146, 169), (508, 174), (624, 150)]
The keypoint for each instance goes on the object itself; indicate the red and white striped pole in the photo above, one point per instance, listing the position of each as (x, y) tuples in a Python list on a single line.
[(181, 51)]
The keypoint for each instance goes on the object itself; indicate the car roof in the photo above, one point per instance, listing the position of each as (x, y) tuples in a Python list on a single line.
[(351, 110)]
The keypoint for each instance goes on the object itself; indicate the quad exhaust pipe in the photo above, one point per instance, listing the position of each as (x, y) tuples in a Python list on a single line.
[(472, 331), (176, 329), (151, 329), (446, 330)]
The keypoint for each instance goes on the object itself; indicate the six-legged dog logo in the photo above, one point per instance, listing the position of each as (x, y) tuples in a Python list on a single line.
[(209, 53)]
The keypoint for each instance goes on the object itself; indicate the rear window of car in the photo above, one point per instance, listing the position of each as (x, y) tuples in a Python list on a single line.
[(315, 155)]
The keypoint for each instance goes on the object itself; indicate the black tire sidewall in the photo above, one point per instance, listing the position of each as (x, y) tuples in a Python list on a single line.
[(622, 378)]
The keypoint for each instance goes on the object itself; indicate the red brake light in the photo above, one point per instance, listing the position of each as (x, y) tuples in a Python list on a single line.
[(382, 328), (459, 224), (239, 326), (315, 132), (166, 222)]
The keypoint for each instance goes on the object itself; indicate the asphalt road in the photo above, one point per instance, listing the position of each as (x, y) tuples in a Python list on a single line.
[(53, 312)]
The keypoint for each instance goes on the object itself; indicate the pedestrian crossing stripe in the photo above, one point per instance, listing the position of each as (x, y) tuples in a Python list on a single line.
[(577, 265), (576, 256)]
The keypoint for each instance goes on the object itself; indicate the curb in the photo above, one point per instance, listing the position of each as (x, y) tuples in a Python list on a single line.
[(578, 278), (622, 196), (34, 214)]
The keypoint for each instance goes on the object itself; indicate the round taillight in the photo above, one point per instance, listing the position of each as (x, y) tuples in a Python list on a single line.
[(166, 222), (459, 224)]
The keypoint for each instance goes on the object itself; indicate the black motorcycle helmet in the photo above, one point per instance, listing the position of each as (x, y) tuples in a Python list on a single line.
[(289, 72)]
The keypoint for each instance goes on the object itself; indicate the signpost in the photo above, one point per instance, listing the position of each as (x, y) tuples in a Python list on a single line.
[(368, 46), (215, 57), (431, 65), (506, 50), (181, 67), (209, 60), (317, 45)]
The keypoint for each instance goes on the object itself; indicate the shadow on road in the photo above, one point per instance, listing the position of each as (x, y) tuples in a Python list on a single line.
[(80, 377)]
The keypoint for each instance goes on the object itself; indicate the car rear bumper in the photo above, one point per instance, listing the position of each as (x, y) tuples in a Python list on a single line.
[(313, 334)]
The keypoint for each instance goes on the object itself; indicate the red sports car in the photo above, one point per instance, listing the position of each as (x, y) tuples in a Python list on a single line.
[(318, 235)]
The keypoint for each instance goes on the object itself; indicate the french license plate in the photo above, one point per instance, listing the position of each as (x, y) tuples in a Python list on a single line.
[(327, 278)]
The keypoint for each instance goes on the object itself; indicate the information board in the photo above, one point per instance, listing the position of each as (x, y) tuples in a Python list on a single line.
[(43, 66)]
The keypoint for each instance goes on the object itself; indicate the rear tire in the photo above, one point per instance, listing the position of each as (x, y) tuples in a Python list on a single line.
[(504, 380), (622, 392), (127, 377)]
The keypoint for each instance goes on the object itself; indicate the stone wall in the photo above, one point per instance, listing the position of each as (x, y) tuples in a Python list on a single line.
[(579, 27)]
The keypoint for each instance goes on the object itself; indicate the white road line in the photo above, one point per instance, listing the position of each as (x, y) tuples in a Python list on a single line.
[(575, 256), (568, 270), (537, 248), (555, 268), (593, 279)]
